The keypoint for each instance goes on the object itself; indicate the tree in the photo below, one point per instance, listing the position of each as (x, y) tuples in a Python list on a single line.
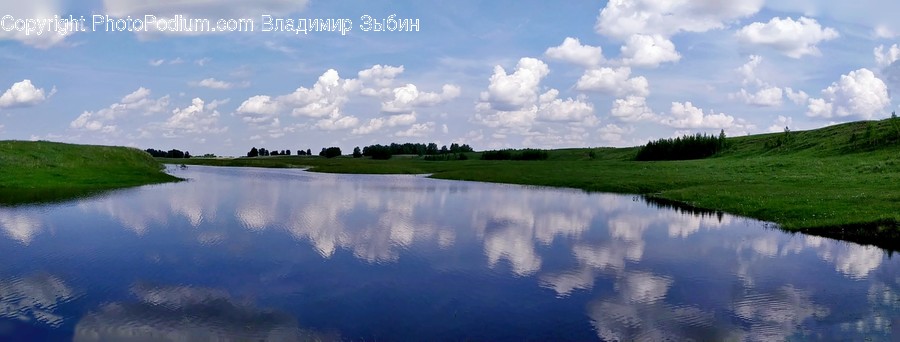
[(156, 153), (895, 124), (287, 152), (253, 153), (681, 148), (378, 152), (301, 152), (431, 149), (357, 153), (330, 152), (444, 149), (308, 152), (722, 139), (274, 153), (175, 154)]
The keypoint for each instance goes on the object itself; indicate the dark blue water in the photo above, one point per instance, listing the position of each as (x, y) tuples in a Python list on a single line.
[(284, 255)]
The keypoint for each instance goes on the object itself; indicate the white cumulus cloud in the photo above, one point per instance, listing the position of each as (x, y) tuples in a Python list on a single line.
[(377, 124), (24, 94), (648, 51), (551, 108), (632, 108), (197, 118), (792, 38), (408, 97), (613, 134), (647, 25), (616, 81), (686, 115), (213, 83), (797, 97), (326, 98), (138, 102), (572, 51), (508, 92), (513, 100), (417, 130), (623, 18), (378, 79), (780, 124), (748, 71), (859, 94), (765, 97), (887, 57), (337, 123), (325, 101), (258, 109)]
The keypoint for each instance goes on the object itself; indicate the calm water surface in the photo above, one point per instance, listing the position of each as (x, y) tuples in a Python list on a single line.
[(251, 254)]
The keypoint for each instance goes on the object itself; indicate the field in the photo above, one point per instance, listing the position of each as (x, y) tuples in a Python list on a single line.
[(841, 181), (45, 171)]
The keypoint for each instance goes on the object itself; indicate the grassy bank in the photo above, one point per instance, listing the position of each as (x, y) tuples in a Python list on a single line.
[(834, 180), (45, 171)]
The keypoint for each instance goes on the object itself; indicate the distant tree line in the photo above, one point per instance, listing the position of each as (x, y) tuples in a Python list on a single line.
[(262, 152), (168, 154), (509, 154), (453, 152), (431, 149), (687, 147)]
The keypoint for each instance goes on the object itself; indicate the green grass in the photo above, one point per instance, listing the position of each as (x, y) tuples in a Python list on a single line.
[(833, 179), (46, 171)]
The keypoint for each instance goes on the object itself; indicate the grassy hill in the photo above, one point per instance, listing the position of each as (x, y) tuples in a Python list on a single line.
[(837, 180), (47, 171)]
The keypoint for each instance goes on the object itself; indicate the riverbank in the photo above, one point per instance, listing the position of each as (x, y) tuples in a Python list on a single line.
[(34, 172), (828, 181)]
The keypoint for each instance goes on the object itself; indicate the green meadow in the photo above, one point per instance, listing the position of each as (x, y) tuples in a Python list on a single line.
[(46, 171)]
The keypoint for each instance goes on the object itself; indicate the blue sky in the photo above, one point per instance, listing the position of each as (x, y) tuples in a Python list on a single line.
[(491, 74)]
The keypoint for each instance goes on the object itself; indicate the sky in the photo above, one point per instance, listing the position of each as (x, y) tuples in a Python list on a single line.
[(491, 74)]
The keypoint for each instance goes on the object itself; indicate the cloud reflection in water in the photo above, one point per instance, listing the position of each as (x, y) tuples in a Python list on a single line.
[(642, 273)]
